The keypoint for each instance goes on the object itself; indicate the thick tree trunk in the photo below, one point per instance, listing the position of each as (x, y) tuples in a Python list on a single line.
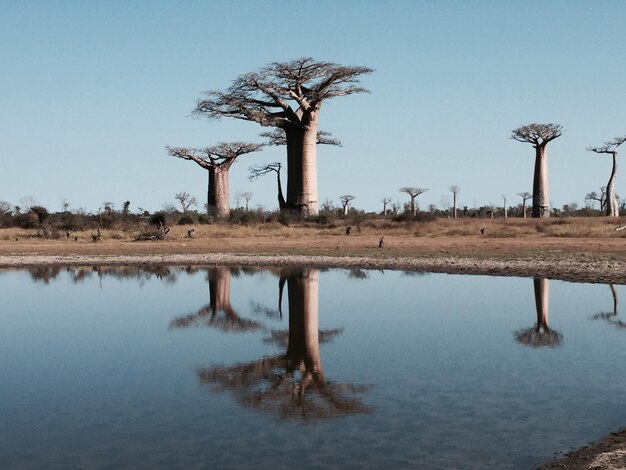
[(210, 202), (346, 208), (524, 207), (295, 138), (307, 196), (612, 209), (384, 208), (304, 344), (542, 296), (413, 207), (541, 196), (221, 192)]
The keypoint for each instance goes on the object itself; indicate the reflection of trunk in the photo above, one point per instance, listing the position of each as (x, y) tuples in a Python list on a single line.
[(614, 292), (219, 290), (540, 183), (612, 209), (542, 297), (304, 345)]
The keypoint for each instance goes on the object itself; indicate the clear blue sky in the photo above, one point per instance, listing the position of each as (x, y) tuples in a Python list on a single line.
[(92, 91)]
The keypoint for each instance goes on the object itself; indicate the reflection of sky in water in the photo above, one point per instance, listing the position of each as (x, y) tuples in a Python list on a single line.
[(91, 373)]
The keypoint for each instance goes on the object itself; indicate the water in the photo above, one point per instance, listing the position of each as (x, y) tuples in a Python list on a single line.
[(186, 368)]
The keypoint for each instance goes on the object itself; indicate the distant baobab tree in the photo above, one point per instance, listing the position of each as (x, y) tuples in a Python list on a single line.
[(593, 196), (217, 160), (263, 169), (454, 190), (288, 96), (385, 201), (413, 193), (185, 200), (126, 207), (345, 202), (612, 208), (525, 196), (247, 196), (506, 214), (539, 135)]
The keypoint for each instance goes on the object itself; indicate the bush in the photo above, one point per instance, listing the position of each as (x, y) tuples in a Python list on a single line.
[(186, 220), (158, 218)]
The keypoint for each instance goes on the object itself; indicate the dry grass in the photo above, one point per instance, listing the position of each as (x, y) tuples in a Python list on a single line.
[(493, 228)]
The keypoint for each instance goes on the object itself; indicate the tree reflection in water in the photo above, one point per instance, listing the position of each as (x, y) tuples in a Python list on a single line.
[(540, 334), (611, 317), (219, 313), (292, 385)]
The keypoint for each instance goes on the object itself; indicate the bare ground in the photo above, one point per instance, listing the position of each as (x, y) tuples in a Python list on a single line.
[(600, 260)]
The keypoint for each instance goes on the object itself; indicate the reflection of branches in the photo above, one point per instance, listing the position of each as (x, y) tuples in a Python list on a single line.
[(44, 273), (287, 387), (225, 320), (281, 337), (611, 317), (538, 337), (356, 273)]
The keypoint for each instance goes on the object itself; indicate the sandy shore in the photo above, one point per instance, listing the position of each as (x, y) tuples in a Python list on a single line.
[(566, 268)]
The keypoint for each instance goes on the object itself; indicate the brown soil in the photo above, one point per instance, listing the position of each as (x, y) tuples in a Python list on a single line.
[(576, 259)]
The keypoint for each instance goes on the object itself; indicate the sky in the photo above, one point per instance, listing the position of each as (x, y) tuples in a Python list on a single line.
[(91, 92)]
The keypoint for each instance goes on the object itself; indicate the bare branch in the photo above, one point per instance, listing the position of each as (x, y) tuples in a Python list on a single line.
[(537, 134), (413, 191), (278, 137), (609, 147)]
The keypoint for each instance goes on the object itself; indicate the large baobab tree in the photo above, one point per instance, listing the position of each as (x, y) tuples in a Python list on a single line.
[(413, 193), (612, 208), (525, 197), (539, 135), (217, 160), (288, 96), (345, 202), (454, 190)]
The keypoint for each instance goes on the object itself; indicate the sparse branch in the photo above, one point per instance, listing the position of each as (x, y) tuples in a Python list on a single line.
[(413, 191), (257, 171)]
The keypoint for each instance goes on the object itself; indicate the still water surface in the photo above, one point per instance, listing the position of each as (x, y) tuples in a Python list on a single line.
[(248, 368)]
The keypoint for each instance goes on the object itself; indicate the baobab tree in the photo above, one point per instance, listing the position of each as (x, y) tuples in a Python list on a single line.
[(288, 96), (525, 197), (185, 200), (454, 190), (539, 135), (247, 196), (593, 196), (612, 208), (506, 214), (385, 201), (264, 169), (413, 193), (217, 160), (345, 202)]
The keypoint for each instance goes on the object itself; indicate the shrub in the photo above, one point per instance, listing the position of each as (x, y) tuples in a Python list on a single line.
[(158, 218)]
